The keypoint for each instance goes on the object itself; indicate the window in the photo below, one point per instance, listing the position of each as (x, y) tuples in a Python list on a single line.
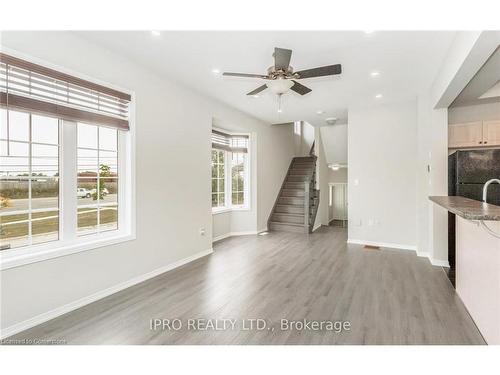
[(29, 179), (97, 181), (218, 178), (297, 127), (229, 171), (238, 178), (65, 163)]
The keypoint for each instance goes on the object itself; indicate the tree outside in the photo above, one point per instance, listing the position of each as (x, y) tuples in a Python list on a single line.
[(104, 171)]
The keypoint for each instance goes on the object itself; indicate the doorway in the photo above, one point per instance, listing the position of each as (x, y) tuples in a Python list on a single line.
[(337, 204)]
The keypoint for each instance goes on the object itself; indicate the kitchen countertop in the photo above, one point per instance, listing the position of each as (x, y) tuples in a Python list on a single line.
[(469, 209)]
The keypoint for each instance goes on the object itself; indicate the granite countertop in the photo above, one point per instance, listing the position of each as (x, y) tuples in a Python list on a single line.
[(469, 209)]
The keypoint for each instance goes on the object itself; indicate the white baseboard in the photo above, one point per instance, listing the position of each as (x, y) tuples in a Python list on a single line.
[(316, 227), (434, 262), (42, 318), (383, 244), (437, 262), (231, 234)]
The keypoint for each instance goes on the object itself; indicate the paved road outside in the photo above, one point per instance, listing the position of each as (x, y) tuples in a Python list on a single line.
[(37, 203)]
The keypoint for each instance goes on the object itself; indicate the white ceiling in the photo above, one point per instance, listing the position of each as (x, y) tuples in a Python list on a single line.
[(407, 61)]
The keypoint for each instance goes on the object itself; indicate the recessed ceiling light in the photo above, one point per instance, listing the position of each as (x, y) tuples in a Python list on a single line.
[(369, 31), (375, 74), (255, 96), (280, 110), (216, 71), (320, 112), (378, 96), (155, 32)]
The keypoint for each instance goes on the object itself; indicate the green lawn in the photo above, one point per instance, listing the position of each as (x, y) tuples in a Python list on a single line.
[(86, 218)]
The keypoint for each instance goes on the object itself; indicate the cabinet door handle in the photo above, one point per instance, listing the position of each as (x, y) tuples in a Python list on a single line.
[(485, 142), (480, 142)]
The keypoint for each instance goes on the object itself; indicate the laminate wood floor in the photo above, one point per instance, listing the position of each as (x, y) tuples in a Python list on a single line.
[(387, 296)]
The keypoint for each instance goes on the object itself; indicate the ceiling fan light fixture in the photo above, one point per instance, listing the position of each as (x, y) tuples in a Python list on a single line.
[(279, 86)]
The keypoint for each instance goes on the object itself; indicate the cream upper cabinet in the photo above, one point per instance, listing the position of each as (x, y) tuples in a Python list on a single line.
[(491, 133), (469, 134)]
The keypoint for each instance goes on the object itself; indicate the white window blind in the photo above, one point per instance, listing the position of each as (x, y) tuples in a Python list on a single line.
[(35, 88), (229, 142)]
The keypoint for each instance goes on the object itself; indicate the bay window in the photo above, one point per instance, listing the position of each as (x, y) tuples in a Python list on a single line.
[(65, 162), (230, 171)]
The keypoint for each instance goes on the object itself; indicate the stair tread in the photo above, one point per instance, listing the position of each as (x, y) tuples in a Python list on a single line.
[(291, 224), (289, 214)]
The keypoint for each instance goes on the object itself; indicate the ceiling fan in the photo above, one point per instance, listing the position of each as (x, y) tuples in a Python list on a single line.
[(280, 78)]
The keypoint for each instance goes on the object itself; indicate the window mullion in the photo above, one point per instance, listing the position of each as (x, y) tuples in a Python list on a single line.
[(98, 184), (30, 173)]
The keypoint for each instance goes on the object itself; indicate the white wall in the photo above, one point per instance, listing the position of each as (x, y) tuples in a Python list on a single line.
[(439, 185), (173, 179), (335, 143), (424, 154), (477, 112), (382, 159), (338, 176), (307, 137), (322, 179)]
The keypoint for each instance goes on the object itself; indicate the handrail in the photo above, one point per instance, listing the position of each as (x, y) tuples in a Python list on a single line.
[(311, 151)]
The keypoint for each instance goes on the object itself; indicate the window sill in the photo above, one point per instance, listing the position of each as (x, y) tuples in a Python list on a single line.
[(225, 210), (244, 208), (17, 257), (217, 211)]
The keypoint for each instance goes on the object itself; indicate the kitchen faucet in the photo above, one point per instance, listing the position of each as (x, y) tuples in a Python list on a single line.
[(485, 187)]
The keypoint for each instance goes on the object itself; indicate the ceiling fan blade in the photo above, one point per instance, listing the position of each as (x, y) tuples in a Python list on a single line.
[(257, 90), (299, 88), (282, 58), (322, 71), (244, 75)]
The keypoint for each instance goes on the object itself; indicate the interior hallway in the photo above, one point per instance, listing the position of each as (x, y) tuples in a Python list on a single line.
[(388, 296)]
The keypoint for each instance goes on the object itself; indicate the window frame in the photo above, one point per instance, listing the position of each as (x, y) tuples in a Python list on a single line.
[(67, 243), (228, 206)]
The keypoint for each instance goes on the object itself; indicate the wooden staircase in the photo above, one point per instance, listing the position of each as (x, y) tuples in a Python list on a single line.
[(297, 203)]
